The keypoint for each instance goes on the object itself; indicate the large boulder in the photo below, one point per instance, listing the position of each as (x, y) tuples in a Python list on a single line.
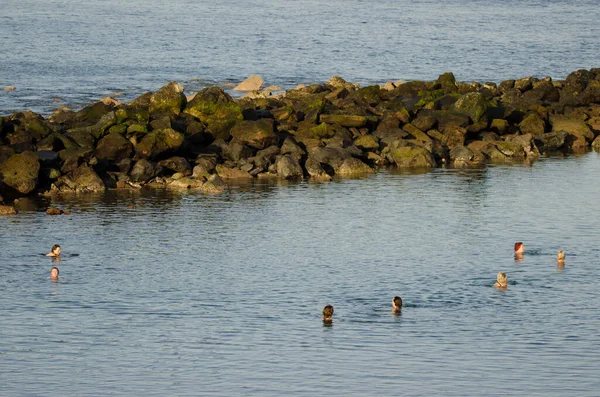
[(142, 171), (288, 167), (158, 143), (257, 134), (410, 156), (330, 156), (81, 180), (252, 83), (353, 166), (169, 100), (571, 125), (551, 141), (217, 110), (473, 104), (7, 210), (113, 147), (533, 124), (315, 170), (20, 172)]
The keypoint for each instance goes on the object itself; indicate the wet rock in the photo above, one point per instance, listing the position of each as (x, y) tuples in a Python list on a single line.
[(257, 134), (214, 184), (315, 170), (353, 166), (290, 146), (7, 210), (571, 125), (330, 156), (54, 211), (551, 141), (82, 180), (168, 101), (226, 172), (410, 156), (176, 164), (142, 171), (252, 83), (288, 167), (20, 172), (527, 142), (159, 143)]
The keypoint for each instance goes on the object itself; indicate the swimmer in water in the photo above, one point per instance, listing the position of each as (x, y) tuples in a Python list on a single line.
[(519, 250), (561, 258), (502, 282), (54, 273), (328, 314), (396, 304), (55, 251)]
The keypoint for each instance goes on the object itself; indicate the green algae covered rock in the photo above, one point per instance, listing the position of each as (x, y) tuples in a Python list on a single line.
[(20, 172), (217, 110), (410, 156), (169, 100), (474, 105), (257, 134), (533, 124), (159, 142), (113, 147)]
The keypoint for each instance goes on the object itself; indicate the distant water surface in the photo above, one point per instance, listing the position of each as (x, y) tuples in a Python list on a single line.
[(188, 294), (71, 52)]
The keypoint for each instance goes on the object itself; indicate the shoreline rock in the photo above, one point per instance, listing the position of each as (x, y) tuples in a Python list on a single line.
[(316, 132)]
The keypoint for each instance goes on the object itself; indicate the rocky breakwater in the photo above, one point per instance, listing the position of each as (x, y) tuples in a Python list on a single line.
[(164, 139)]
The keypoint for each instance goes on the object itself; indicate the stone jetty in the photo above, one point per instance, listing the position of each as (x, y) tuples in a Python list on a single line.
[(162, 139)]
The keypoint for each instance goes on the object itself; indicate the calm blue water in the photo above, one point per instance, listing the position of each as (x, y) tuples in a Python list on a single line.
[(75, 51), (188, 294)]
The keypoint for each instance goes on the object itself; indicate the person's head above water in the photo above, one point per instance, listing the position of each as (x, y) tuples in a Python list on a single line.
[(560, 256), (54, 273), (54, 251), (328, 313), (396, 304), (519, 248), (502, 280)]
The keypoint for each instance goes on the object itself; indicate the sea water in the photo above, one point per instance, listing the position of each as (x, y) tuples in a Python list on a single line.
[(166, 293), (71, 52)]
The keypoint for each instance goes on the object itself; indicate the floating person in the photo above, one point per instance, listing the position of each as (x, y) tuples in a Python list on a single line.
[(396, 304), (502, 282), (560, 256), (54, 273), (54, 251), (328, 314), (519, 250)]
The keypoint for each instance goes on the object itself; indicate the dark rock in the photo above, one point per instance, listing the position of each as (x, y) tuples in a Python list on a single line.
[(353, 166), (176, 164), (288, 167), (551, 141), (83, 179), (20, 173), (54, 211), (5, 153), (142, 171), (315, 170), (72, 158), (257, 134), (159, 143), (533, 124), (113, 147)]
